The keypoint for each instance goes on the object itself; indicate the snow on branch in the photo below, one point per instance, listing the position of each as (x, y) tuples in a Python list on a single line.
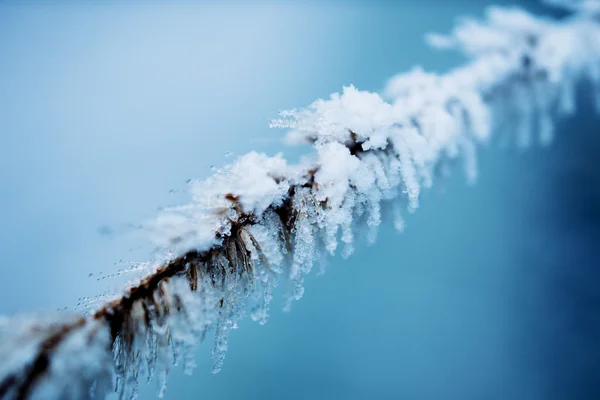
[(261, 221)]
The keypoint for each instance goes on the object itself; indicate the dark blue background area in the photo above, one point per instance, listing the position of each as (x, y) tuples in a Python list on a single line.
[(107, 109), (560, 258)]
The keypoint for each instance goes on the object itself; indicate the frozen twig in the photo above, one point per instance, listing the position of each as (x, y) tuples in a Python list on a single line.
[(260, 221)]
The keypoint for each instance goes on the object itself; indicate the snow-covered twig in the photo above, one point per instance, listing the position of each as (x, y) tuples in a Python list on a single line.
[(260, 221)]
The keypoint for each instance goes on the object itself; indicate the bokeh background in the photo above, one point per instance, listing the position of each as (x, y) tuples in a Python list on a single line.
[(107, 108)]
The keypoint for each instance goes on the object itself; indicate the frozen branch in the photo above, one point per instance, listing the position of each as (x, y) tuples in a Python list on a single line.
[(260, 221)]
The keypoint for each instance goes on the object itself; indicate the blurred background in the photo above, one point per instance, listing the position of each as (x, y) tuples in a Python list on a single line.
[(106, 109)]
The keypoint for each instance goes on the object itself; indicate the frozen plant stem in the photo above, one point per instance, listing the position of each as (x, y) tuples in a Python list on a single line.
[(260, 221)]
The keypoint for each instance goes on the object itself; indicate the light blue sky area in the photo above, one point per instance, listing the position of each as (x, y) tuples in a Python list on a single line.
[(106, 109)]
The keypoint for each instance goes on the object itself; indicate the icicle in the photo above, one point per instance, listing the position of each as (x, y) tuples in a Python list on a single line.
[(347, 236), (304, 255), (408, 171), (566, 105), (399, 223), (469, 152), (220, 346)]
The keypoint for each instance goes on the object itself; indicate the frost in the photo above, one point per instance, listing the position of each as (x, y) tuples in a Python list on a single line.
[(80, 367), (329, 120), (260, 222)]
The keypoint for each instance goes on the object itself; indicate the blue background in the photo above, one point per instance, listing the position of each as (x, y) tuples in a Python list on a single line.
[(106, 109)]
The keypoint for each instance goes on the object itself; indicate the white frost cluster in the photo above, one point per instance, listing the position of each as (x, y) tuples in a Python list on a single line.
[(165, 329), (527, 67), (79, 365), (249, 186), (156, 338), (262, 221)]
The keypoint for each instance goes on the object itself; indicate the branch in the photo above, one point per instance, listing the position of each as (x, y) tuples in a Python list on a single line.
[(260, 221)]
